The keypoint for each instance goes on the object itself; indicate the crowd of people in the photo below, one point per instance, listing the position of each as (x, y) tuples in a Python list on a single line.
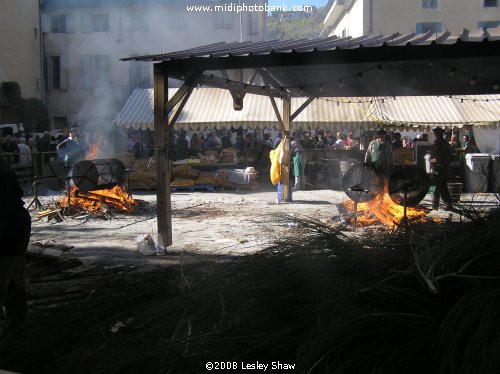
[(36, 150), (23, 148), (183, 146)]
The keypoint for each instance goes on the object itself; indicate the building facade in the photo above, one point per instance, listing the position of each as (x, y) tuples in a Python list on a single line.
[(363, 17), (20, 46), (84, 40)]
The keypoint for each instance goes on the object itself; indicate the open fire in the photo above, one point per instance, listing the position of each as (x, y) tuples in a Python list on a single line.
[(97, 200), (94, 201), (383, 210), (93, 150)]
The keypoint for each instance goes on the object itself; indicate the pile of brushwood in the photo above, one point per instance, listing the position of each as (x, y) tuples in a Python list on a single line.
[(427, 302)]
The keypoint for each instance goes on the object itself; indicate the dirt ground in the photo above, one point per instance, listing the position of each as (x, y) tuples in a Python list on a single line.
[(205, 225)]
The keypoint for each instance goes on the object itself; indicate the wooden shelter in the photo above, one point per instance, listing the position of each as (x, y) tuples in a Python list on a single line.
[(396, 65)]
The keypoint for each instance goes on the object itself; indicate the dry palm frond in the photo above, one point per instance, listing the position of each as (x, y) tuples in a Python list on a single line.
[(320, 299)]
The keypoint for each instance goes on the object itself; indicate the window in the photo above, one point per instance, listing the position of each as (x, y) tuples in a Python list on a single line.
[(223, 20), (95, 71), (423, 27), (94, 23), (61, 23), (490, 3), (101, 70), (58, 23), (100, 23), (429, 4), (488, 24), (55, 71), (139, 74), (87, 72)]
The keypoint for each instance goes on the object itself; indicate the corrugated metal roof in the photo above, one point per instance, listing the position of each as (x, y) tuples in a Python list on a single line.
[(209, 108), (369, 65), (224, 49)]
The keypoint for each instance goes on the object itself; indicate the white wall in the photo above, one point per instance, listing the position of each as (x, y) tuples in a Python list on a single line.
[(133, 30), (390, 16), (351, 22), (20, 45)]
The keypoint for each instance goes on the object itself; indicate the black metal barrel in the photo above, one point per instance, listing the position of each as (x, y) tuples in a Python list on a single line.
[(89, 175)]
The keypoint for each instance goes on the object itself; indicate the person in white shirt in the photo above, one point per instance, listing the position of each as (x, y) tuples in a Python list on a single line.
[(340, 143), (24, 152)]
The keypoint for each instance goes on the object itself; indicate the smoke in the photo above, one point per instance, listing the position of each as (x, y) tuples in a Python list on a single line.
[(98, 84)]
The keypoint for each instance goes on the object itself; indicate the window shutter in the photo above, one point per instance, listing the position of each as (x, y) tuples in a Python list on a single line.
[(86, 23), (50, 79), (70, 23), (46, 72), (106, 23), (45, 23), (87, 72), (63, 73), (54, 23)]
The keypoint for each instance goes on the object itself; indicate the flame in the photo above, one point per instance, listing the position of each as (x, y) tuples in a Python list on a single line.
[(383, 210), (93, 201), (93, 150)]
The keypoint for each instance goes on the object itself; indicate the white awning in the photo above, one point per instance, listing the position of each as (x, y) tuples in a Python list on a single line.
[(431, 111), (137, 112), (209, 108)]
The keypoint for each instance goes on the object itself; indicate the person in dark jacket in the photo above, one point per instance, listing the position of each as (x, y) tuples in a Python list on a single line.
[(15, 230), (440, 165), (69, 149)]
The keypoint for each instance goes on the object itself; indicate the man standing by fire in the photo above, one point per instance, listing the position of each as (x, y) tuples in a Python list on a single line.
[(440, 165), (15, 231), (69, 149)]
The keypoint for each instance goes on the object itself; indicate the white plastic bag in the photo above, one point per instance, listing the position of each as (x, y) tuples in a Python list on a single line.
[(146, 244)]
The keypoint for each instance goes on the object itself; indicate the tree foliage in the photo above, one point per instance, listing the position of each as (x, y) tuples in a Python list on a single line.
[(295, 28), (31, 112)]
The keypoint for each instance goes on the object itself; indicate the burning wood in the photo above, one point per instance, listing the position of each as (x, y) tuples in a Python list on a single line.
[(93, 201), (383, 210)]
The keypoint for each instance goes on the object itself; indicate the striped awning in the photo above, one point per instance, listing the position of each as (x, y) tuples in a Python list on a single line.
[(431, 111), (210, 108), (480, 110), (138, 111)]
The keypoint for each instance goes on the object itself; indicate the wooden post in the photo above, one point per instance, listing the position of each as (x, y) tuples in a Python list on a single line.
[(161, 135), (285, 176)]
